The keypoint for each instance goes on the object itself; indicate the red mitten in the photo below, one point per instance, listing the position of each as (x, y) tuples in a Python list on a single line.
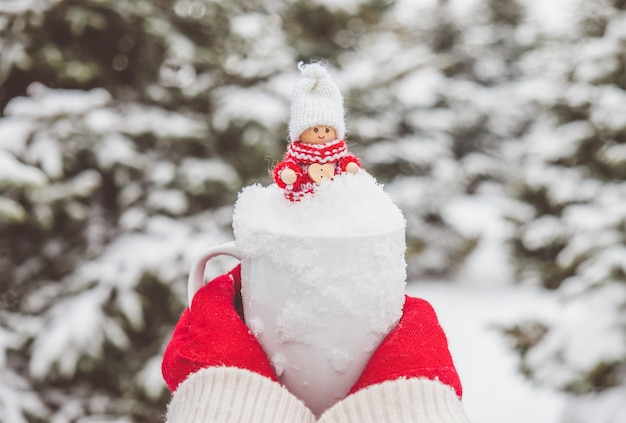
[(416, 348), (212, 333)]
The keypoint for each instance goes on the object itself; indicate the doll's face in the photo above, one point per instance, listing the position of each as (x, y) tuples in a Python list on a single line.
[(318, 135)]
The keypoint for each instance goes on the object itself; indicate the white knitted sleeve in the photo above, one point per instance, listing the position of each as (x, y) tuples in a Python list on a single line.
[(231, 395), (402, 400)]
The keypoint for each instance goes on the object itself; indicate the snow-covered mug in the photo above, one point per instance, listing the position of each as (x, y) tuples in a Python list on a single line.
[(319, 304)]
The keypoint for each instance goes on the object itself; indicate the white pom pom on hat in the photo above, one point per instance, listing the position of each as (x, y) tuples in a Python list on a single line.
[(316, 101)]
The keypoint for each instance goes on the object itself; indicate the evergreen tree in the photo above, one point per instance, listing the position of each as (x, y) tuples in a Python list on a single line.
[(570, 236)]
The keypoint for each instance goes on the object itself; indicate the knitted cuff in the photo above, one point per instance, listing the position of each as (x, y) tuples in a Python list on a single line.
[(345, 161), (401, 400), (229, 394), (287, 165)]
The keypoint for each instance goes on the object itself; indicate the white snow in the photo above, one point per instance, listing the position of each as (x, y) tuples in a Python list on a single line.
[(591, 229), (421, 88), (347, 205), (249, 25), (565, 185), (598, 59), (607, 407), (162, 173), (262, 36), (552, 144), (114, 149), (197, 172), (46, 151), (57, 345), (424, 152), (137, 119), (609, 108), (11, 211), (170, 200), (151, 378), (614, 154), (556, 17), (144, 120), (278, 361), (80, 185), (45, 102), (339, 359), (348, 6), (14, 133), (15, 173), (16, 400), (542, 232), (242, 104), (565, 353)]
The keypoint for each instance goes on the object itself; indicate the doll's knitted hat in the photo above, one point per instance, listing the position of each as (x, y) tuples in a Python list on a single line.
[(316, 101)]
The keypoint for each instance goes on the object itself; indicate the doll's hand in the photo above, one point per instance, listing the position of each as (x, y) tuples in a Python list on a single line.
[(352, 167), (416, 348), (212, 334), (349, 164), (288, 176)]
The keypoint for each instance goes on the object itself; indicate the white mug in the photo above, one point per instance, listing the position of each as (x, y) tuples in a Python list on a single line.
[(318, 304)]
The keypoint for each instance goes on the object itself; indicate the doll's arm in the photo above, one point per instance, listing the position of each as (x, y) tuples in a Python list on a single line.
[(286, 173), (349, 164)]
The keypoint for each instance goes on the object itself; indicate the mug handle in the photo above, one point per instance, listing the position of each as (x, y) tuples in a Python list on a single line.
[(196, 275)]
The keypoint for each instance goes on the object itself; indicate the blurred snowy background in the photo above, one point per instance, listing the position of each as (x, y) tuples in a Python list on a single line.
[(498, 126)]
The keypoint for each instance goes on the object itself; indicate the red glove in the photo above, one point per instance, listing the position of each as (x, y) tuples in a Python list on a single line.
[(212, 333), (416, 348)]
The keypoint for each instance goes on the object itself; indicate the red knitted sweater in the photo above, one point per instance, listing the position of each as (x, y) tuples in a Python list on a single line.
[(300, 156)]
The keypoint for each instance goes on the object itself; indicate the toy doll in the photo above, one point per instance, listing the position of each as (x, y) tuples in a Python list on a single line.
[(317, 150)]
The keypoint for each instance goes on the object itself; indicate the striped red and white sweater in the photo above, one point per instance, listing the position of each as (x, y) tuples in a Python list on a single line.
[(299, 156)]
